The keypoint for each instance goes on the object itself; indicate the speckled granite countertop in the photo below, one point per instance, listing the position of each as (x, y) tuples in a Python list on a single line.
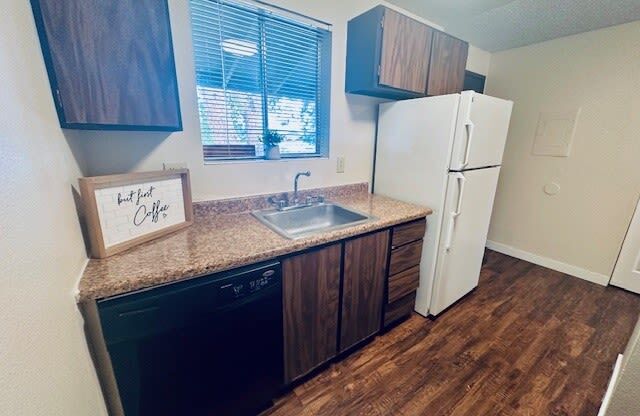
[(217, 242)]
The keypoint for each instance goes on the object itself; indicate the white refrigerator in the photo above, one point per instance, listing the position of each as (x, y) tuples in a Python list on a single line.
[(444, 152)]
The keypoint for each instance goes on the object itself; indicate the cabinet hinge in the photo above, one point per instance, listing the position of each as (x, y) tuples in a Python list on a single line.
[(382, 22), (378, 70)]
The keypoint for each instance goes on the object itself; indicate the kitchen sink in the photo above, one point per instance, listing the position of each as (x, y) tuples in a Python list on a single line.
[(307, 220)]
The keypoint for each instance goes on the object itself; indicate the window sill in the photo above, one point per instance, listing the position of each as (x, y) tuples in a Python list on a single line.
[(245, 161)]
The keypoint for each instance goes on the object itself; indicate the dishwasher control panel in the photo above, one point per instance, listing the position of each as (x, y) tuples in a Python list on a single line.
[(246, 285)]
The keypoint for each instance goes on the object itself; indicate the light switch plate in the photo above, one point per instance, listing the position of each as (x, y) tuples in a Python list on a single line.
[(555, 132), (340, 164)]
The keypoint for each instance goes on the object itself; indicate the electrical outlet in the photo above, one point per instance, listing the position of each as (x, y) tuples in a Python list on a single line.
[(340, 165), (174, 165)]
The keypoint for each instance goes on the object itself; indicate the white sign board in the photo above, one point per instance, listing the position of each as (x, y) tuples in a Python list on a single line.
[(125, 210), (130, 211)]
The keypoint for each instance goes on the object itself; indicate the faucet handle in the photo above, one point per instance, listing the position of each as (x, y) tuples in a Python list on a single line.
[(318, 199), (279, 203)]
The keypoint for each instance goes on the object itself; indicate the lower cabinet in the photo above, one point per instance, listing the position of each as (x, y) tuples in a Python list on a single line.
[(311, 297), (333, 298), (365, 271), (404, 271), (399, 309), (339, 295)]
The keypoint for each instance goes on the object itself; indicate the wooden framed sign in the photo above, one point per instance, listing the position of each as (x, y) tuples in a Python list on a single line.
[(125, 210)]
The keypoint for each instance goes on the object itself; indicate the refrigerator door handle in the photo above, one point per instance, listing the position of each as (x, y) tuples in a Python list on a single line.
[(447, 244), (455, 214), (467, 152), (461, 180)]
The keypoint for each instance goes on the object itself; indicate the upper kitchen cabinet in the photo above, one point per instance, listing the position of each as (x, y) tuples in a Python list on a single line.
[(447, 64), (110, 63), (405, 44), (391, 55), (387, 54)]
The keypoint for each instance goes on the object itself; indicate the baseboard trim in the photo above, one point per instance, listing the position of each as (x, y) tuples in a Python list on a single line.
[(552, 264)]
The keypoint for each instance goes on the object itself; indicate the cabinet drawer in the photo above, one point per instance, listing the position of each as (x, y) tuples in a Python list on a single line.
[(405, 257), (399, 309), (406, 233), (403, 283)]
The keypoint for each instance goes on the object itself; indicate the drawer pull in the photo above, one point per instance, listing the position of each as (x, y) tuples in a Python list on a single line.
[(403, 284), (405, 257), (407, 233)]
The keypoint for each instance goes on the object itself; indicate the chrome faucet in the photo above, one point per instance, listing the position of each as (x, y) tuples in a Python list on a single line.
[(295, 185)]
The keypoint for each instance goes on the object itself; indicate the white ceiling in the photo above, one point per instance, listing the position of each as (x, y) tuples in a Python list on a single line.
[(495, 25)]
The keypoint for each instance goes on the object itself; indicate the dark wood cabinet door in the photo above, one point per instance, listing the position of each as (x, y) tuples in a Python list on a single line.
[(365, 264), (311, 291), (110, 63), (447, 65), (404, 58)]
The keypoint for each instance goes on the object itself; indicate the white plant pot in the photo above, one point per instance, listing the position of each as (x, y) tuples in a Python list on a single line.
[(272, 152)]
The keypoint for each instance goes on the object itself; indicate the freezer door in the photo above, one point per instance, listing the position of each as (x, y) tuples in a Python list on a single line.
[(467, 213), (413, 146), (481, 131)]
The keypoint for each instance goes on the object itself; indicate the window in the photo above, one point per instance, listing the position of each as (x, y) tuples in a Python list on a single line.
[(258, 69)]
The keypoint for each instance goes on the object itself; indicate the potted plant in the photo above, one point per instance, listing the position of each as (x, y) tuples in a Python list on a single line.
[(271, 141)]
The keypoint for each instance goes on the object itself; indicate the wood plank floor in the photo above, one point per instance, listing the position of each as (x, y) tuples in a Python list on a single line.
[(527, 341)]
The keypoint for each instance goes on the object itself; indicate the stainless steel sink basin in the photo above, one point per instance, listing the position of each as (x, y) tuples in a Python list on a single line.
[(305, 221)]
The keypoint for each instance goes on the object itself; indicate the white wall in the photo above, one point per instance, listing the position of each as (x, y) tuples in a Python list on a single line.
[(479, 61), (352, 124), (44, 363), (581, 229)]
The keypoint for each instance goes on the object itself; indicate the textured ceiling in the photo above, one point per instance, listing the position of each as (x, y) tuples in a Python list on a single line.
[(496, 25)]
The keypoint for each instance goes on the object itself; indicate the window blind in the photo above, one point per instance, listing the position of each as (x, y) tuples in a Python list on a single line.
[(257, 70)]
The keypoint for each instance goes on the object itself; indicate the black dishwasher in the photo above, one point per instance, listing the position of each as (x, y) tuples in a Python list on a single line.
[(210, 345)]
